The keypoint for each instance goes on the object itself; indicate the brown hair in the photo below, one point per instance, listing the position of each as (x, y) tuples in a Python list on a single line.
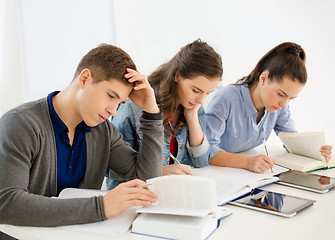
[(106, 62), (286, 59), (194, 59)]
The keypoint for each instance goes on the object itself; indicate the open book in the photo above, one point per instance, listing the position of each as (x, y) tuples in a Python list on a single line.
[(304, 151), (115, 226), (232, 183), (186, 208)]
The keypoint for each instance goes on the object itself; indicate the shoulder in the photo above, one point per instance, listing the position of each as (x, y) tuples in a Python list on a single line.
[(35, 113), (29, 123), (129, 108), (229, 92), (225, 97)]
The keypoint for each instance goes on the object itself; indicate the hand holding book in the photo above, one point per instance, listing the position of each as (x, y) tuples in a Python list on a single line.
[(326, 151), (307, 151), (127, 195)]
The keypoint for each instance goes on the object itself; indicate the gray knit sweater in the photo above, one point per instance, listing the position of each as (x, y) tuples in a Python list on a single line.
[(28, 166)]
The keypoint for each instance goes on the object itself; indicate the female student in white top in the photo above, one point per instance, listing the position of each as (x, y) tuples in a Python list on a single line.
[(241, 115)]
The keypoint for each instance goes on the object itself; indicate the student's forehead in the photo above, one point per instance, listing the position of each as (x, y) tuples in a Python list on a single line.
[(290, 87), (118, 83), (118, 86), (204, 83)]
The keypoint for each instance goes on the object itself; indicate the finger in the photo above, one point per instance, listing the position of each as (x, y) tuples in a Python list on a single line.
[(258, 170), (140, 190), (148, 196), (186, 169), (269, 161), (264, 165), (132, 203), (130, 70), (326, 152), (132, 183), (136, 78), (141, 86), (327, 147)]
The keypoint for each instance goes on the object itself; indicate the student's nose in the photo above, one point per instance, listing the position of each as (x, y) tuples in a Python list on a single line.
[(284, 103), (201, 99), (112, 110)]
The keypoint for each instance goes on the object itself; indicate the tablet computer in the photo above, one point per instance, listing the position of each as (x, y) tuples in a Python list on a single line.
[(272, 202), (306, 181)]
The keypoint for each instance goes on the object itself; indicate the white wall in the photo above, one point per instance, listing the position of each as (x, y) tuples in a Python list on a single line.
[(56, 34), (242, 32)]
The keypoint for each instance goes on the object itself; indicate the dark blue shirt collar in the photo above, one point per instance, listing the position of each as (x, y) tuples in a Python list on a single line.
[(58, 124)]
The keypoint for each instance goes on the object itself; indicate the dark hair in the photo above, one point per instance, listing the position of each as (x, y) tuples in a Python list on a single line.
[(106, 62), (286, 59), (194, 59)]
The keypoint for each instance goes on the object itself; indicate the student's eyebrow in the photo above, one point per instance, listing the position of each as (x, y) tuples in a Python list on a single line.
[(200, 89), (286, 94), (117, 96), (283, 92)]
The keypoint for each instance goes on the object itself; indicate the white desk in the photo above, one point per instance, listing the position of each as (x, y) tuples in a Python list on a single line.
[(315, 222)]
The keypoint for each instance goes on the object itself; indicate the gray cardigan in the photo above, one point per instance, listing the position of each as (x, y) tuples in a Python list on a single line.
[(28, 165)]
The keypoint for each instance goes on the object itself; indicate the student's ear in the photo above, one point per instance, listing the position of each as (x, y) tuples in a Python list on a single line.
[(177, 77), (263, 77), (84, 77)]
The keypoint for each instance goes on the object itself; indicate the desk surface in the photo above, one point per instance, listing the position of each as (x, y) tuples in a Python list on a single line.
[(314, 222)]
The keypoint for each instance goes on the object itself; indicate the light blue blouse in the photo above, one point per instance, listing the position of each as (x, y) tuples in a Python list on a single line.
[(232, 121)]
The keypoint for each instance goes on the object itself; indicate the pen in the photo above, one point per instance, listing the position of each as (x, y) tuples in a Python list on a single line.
[(174, 158), (143, 185), (266, 150)]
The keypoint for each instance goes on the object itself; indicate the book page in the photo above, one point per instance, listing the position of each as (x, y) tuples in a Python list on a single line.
[(182, 195), (297, 162), (115, 226), (234, 182), (304, 144)]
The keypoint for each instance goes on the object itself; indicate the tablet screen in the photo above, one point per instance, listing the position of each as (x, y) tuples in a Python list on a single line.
[(272, 202), (308, 180)]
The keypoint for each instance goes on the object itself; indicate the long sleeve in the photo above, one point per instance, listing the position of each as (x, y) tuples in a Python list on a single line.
[(200, 154), (28, 177), (147, 161), (284, 121)]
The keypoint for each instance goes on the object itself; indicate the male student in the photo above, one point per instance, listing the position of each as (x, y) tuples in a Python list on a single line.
[(64, 140)]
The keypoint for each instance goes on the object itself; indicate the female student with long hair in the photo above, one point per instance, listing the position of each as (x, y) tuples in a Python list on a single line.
[(241, 115), (181, 86)]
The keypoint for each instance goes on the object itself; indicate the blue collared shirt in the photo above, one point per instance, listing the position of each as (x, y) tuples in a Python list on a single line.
[(232, 121), (71, 160)]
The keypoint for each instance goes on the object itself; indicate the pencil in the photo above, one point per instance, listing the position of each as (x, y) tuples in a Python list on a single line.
[(174, 158), (144, 185), (266, 150)]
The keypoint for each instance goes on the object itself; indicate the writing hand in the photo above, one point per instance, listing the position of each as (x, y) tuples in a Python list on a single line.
[(177, 169), (142, 94), (259, 163), (126, 195)]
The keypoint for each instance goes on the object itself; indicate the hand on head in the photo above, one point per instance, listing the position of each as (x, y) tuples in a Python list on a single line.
[(127, 195), (143, 94)]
